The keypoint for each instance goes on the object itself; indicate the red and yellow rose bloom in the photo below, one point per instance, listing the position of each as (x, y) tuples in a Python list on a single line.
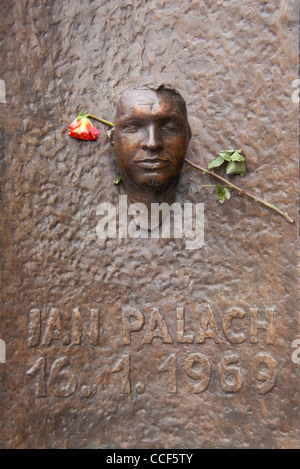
[(83, 129)]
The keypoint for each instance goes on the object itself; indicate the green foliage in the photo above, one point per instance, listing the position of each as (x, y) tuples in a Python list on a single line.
[(220, 194), (234, 159), (235, 167), (223, 193), (226, 193), (118, 180), (235, 164), (215, 163), (80, 115)]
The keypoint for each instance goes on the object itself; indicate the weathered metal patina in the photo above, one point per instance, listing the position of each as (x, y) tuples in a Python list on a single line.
[(142, 343)]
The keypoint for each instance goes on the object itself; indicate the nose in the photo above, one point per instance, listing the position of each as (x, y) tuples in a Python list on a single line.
[(153, 139)]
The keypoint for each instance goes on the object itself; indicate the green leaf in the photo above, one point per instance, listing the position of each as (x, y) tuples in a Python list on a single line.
[(215, 163), (236, 167), (236, 156), (227, 193), (226, 154), (118, 180), (220, 194)]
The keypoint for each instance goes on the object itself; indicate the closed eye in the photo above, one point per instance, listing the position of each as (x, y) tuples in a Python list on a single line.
[(171, 125), (131, 127)]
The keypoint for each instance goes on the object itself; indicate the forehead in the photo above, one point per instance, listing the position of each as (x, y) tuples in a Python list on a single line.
[(135, 103)]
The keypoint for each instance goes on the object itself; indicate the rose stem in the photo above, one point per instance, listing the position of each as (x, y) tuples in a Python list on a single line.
[(100, 120), (242, 191)]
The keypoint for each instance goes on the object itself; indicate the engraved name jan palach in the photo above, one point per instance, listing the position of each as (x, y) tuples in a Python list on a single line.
[(47, 328)]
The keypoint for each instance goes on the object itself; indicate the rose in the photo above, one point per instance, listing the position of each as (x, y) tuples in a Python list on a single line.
[(83, 129)]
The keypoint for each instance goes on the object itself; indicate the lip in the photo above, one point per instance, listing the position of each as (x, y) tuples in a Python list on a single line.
[(154, 163)]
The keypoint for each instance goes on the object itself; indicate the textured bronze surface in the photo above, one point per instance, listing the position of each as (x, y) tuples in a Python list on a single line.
[(127, 343)]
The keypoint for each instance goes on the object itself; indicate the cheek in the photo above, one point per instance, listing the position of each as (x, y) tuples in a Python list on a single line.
[(177, 150), (125, 147), (124, 153)]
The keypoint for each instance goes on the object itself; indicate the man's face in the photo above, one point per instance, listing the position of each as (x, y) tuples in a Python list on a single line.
[(151, 137)]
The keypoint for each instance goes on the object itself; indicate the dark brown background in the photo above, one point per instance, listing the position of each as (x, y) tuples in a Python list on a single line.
[(234, 62)]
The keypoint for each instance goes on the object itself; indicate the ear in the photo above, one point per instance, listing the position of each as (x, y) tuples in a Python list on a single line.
[(111, 136)]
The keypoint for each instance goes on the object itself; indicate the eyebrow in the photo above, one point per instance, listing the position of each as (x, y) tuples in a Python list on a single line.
[(165, 116)]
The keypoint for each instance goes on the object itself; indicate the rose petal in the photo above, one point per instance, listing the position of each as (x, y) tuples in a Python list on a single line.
[(83, 129)]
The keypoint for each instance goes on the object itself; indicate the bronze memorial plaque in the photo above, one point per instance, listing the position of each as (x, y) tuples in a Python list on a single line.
[(149, 225)]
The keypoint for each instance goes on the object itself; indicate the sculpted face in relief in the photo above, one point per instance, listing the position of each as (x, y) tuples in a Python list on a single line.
[(151, 137)]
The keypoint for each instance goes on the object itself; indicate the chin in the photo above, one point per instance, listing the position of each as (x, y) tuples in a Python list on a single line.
[(154, 181)]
